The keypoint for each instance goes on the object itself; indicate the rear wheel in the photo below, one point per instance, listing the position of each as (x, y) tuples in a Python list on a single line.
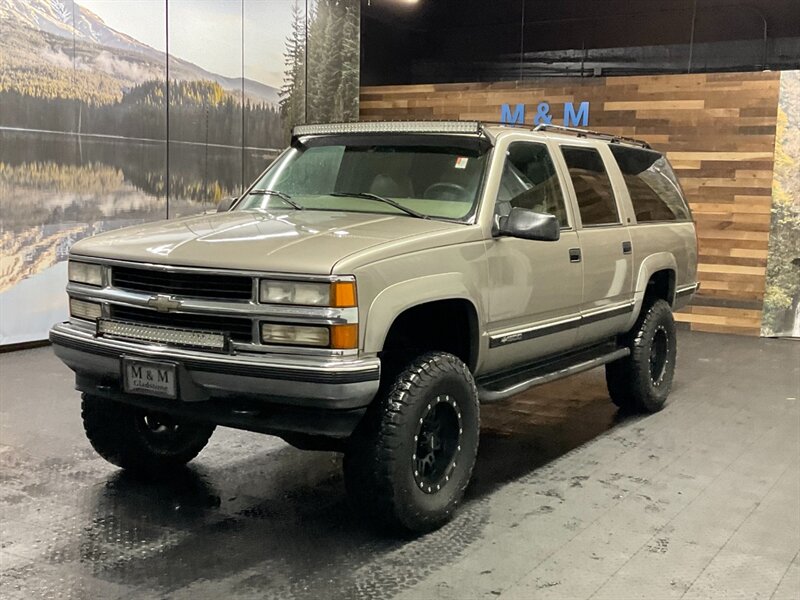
[(133, 438), (641, 381), (410, 460)]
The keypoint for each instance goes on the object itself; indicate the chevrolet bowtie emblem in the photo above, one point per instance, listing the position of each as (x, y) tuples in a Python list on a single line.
[(163, 303)]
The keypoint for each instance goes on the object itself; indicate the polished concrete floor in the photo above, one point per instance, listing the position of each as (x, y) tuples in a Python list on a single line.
[(570, 500)]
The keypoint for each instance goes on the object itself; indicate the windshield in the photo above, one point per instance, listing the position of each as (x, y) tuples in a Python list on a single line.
[(418, 179)]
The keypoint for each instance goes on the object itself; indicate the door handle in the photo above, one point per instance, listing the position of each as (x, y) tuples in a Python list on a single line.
[(575, 255), (627, 248)]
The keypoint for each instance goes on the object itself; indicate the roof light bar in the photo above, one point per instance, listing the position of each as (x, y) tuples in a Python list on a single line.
[(468, 127)]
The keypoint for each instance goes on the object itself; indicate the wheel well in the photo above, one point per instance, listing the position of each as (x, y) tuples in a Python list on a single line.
[(660, 286), (443, 325)]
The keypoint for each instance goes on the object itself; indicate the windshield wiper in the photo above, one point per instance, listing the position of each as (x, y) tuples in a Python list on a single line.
[(384, 199), (282, 195)]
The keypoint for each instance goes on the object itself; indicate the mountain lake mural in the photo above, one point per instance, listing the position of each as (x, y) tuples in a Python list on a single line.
[(91, 115)]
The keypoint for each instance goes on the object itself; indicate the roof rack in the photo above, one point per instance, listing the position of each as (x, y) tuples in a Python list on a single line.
[(588, 133)]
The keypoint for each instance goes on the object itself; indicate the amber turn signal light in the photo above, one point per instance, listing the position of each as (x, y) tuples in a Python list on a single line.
[(344, 337), (343, 294)]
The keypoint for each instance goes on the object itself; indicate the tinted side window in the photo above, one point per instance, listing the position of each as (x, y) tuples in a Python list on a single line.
[(652, 185), (529, 181), (592, 186)]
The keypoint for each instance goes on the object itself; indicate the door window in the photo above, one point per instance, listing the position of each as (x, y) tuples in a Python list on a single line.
[(593, 189), (530, 181)]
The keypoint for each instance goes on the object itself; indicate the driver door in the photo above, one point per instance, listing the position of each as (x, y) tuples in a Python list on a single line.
[(535, 287)]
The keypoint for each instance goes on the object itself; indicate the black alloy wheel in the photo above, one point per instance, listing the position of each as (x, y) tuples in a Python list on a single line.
[(642, 381), (659, 360), (438, 444), (140, 440), (163, 433)]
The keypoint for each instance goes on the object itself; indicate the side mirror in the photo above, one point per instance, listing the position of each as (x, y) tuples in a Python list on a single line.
[(225, 204), (529, 225)]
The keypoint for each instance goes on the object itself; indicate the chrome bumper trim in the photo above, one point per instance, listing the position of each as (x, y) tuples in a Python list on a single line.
[(287, 368)]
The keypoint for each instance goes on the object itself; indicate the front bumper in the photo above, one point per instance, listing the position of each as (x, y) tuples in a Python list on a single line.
[(242, 385)]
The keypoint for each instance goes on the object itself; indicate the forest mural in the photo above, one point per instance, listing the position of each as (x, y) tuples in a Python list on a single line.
[(782, 297), (97, 97)]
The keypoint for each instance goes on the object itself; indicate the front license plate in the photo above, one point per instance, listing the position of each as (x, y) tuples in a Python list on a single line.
[(150, 378)]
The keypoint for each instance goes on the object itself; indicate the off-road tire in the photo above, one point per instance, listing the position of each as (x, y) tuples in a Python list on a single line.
[(641, 381), (126, 437), (381, 461)]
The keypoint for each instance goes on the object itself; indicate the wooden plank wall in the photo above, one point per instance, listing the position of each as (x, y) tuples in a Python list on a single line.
[(718, 131)]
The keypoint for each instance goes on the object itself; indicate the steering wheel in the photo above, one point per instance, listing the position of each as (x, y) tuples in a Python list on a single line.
[(445, 191)]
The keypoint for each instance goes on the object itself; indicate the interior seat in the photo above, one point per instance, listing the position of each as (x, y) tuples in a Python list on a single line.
[(393, 187)]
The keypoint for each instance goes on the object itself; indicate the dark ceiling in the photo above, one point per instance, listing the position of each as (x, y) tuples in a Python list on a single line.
[(405, 41)]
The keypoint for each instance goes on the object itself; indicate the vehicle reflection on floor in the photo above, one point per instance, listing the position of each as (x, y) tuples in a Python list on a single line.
[(250, 516), (568, 496)]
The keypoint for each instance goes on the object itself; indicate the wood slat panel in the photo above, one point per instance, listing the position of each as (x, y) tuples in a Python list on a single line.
[(717, 129)]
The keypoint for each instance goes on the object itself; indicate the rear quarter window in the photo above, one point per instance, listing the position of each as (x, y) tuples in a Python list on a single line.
[(652, 185)]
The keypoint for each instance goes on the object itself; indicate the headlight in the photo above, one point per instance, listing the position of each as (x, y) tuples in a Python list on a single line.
[(81, 309), (81, 272), (338, 294), (339, 337), (301, 335)]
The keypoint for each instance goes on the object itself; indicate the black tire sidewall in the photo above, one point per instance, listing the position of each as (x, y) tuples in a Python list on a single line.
[(412, 501), (652, 396), (379, 464)]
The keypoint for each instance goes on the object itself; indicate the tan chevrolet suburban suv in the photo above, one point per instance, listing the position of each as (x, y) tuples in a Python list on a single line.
[(375, 285)]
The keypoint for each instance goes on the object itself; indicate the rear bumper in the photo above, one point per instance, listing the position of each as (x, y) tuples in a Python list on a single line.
[(213, 385)]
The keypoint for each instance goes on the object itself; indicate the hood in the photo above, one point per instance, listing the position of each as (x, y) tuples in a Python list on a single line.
[(290, 242)]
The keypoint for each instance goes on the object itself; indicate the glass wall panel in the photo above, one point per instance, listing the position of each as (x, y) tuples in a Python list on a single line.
[(86, 112), (205, 103), (274, 42), (333, 60)]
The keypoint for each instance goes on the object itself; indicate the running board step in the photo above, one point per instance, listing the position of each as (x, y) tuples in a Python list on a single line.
[(504, 385)]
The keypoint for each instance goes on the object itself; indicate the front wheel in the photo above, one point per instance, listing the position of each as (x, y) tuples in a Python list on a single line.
[(641, 381), (136, 439), (410, 460)]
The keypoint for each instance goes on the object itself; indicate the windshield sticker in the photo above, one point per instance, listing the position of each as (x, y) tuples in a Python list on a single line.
[(461, 162)]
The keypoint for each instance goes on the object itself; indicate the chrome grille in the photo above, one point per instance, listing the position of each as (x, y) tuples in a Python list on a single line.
[(238, 329), (189, 285)]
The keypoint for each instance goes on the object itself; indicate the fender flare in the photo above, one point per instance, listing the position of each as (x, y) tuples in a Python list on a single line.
[(395, 299), (660, 261)]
